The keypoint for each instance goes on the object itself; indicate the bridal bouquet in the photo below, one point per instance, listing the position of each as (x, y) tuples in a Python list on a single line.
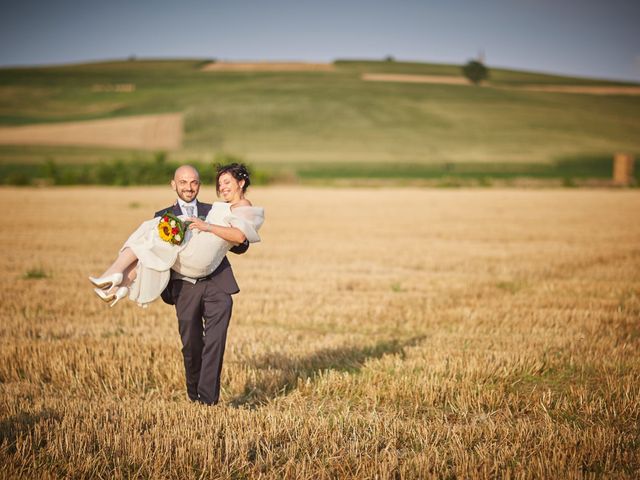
[(172, 229)]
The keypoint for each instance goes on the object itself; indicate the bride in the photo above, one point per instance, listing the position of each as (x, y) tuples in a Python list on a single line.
[(143, 267)]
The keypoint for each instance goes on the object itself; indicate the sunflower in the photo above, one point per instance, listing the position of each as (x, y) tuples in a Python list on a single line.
[(164, 229)]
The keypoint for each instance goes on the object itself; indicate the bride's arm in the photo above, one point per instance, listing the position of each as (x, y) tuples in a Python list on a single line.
[(230, 234)]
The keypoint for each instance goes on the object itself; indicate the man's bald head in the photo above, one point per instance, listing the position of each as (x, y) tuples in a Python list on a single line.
[(186, 170), (186, 182)]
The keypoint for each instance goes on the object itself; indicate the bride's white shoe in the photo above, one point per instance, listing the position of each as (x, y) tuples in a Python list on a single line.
[(108, 281), (112, 297)]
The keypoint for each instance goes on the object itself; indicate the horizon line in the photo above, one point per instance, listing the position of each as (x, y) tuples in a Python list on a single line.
[(384, 59)]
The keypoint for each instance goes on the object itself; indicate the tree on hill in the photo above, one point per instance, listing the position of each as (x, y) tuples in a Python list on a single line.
[(475, 71)]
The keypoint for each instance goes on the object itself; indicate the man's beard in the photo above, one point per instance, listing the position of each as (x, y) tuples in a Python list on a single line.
[(189, 198)]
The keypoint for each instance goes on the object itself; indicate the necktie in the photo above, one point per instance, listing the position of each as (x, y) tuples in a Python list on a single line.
[(190, 210)]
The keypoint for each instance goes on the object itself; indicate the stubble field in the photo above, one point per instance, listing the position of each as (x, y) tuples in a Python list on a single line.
[(380, 333), (145, 132)]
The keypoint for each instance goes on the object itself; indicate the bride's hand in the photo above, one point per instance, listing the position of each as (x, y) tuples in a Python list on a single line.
[(197, 224)]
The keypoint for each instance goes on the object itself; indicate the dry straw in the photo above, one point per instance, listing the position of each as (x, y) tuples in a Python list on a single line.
[(378, 334)]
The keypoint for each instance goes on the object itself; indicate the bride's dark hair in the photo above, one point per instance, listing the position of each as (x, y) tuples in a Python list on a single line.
[(239, 171)]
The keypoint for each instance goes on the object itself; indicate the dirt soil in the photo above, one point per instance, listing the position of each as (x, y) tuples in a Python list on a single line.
[(452, 80), (144, 132), (588, 89), (268, 67), (406, 78)]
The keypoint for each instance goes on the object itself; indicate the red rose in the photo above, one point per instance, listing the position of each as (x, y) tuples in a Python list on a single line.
[(165, 219), (174, 230)]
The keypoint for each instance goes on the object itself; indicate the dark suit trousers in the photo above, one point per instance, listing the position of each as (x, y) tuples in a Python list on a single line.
[(203, 311)]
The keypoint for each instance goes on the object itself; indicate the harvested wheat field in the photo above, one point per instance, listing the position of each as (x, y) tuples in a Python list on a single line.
[(145, 132), (268, 67), (586, 89), (380, 333), (410, 78), (459, 80)]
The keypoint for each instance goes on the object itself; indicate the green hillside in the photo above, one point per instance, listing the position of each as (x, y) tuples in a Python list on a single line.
[(313, 120)]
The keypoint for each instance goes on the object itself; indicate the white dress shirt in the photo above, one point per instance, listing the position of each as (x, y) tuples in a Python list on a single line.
[(193, 204), (182, 204)]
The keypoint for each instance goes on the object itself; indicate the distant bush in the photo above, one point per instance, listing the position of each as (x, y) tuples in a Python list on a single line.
[(19, 179), (156, 169), (36, 274), (121, 172), (204, 63), (475, 71)]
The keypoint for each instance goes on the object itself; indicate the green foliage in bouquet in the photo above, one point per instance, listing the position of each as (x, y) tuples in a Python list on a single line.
[(171, 229)]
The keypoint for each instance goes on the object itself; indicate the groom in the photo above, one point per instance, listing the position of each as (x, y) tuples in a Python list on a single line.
[(203, 305)]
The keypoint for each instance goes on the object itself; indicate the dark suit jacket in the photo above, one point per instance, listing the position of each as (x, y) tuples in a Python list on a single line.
[(223, 275)]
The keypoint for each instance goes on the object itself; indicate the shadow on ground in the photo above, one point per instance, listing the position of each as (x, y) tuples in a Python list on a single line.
[(277, 374), (22, 425)]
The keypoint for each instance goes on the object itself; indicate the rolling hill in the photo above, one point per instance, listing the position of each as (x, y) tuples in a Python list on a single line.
[(329, 122)]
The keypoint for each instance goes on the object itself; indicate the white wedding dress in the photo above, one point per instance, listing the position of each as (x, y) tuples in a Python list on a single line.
[(198, 256)]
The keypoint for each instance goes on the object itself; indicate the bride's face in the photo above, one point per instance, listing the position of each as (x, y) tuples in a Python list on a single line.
[(230, 189)]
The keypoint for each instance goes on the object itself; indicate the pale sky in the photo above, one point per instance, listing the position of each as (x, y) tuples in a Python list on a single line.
[(585, 38)]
